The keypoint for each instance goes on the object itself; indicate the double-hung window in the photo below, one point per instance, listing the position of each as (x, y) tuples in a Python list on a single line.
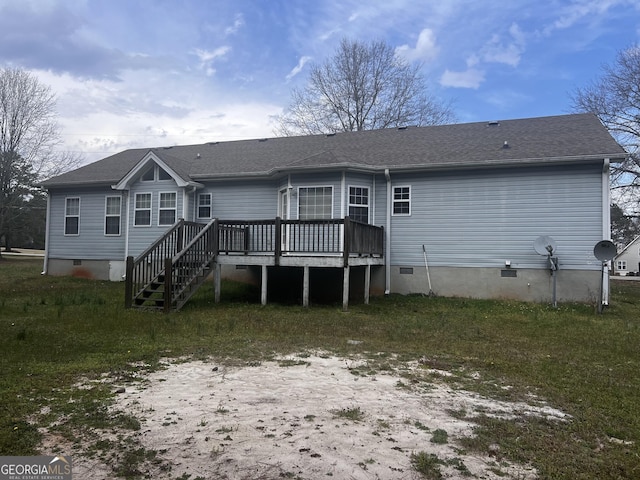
[(204, 205), (402, 200), (315, 203), (621, 265), (72, 216), (112, 209), (142, 214), (167, 208), (359, 204)]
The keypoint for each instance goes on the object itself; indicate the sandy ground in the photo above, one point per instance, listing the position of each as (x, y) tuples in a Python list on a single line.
[(288, 419)]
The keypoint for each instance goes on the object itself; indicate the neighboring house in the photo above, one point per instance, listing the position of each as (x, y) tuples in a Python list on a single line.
[(466, 200), (627, 262)]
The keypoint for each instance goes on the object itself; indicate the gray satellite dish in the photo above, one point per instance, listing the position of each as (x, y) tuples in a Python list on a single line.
[(544, 245), (605, 250)]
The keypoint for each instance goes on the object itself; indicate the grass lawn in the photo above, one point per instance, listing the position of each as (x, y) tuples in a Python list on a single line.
[(54, 331)]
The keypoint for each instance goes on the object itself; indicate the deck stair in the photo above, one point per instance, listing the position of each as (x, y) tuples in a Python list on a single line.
[(171, 270)]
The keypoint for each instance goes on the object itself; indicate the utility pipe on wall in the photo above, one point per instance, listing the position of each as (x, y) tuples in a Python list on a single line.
[(387, 234), (606, 227), (47, 235)]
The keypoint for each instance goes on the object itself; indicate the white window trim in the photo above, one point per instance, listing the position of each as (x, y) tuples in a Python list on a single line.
[(119, 215), (368, 205), (313, 186), (64, 225), (136, 209), (621, 265), (198, 205), (174, 208), (394, 201)]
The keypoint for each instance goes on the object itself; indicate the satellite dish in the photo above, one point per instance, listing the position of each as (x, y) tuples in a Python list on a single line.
[(544, 245), (605, 250)]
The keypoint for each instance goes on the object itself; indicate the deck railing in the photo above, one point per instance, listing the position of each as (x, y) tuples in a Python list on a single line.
[(290, 237), (186, 250)]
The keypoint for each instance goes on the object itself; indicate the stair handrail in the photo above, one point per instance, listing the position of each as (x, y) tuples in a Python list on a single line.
[(154, 256), (178, 287)]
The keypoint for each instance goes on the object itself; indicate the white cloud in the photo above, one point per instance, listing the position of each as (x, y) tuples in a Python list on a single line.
[(470, 78), (237, 24), (208, 56), (99, 118), (496, 50), (298, 68), (576, 11), (508, 53), (425, 49)]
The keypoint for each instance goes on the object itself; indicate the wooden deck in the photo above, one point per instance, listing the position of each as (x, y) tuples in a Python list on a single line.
[(169, 271)]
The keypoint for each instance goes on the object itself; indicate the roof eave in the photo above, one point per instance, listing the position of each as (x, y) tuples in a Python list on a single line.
[(613, 158), (77, 183)]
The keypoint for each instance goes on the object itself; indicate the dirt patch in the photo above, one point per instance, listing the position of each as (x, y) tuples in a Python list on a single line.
[(307, 417)]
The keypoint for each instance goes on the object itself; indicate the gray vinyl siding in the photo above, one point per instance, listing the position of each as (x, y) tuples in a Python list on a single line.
[(91, 243), (483, 218), (140, 237), (256, 200), (380, 200)]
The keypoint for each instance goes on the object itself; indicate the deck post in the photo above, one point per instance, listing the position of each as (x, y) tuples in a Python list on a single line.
[(215, 237), (180, 235), (277, 250), (346, 240), (128, 283), (168, 287), (305, 287), (345, 288), (263, 292), (216, 281), (367, 283)]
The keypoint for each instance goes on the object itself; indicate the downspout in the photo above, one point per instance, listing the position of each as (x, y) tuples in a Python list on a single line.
[(342, 195), (127, 197), (185, 199), (387, 234), (606, 226), (289, 197), (373, 198), (47, 229)]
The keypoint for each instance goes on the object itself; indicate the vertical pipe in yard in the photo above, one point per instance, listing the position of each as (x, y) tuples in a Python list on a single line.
[(305, 287), (216, 281), (367, 283), (263, 292)]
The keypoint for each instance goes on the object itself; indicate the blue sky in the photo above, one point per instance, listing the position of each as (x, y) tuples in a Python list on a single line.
[(146, 73)]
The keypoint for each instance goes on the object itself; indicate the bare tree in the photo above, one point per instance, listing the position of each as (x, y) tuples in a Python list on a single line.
[(29, 136), (362, 87), (615, 99)]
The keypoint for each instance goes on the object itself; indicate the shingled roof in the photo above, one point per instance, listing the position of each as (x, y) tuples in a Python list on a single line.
[(564, 138)]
